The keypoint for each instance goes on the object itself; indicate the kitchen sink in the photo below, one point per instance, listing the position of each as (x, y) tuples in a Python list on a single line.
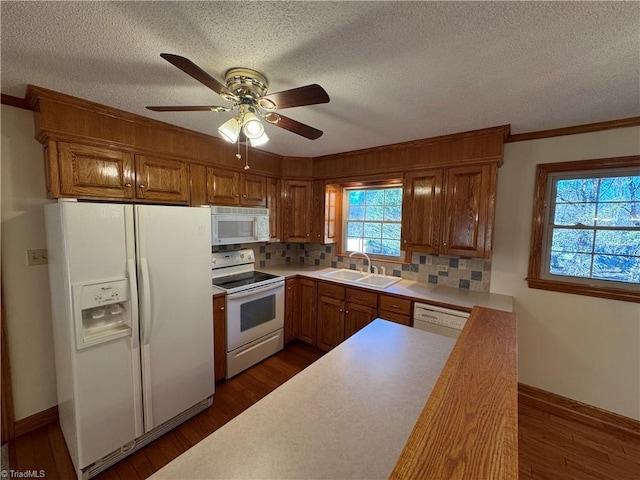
[(354, 277), (376, 281), (344, 274)]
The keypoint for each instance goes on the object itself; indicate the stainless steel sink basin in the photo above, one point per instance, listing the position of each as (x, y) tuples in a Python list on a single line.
[(345, 275), (354, 277), (376, 281)]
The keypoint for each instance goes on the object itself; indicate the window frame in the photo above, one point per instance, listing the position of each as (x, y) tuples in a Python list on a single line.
[(393, 182), (538, 251)]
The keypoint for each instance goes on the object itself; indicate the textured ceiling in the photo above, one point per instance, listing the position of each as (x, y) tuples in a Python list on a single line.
[(395, 71)]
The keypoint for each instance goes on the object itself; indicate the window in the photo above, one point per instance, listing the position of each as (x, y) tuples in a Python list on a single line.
[(373, 220), (586, 232)]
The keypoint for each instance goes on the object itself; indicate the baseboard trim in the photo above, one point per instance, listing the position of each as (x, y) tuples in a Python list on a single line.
[(37, 420), (578, 411)]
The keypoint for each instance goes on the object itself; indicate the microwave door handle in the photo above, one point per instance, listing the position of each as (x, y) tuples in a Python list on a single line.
[(255, 228), (253, 291)]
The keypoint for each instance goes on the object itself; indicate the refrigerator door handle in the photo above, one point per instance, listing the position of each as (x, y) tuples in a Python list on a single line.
[(133, 291), (146, 303)]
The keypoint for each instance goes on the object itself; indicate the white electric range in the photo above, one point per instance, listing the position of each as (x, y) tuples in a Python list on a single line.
[(255, 308)]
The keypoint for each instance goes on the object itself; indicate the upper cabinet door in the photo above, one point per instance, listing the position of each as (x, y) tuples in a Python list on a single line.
[(87, 171), (469, 207), (274, 202), (223, 186), (253, 190), (297, 211), (162, 179), (421, 210)]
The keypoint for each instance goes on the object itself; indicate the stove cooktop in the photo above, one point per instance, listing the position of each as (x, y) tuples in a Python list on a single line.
[(242, 279)]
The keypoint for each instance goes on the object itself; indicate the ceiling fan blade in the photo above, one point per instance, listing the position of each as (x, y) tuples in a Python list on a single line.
[(190, 68), (294, 126), (296, 97), (212, 108)]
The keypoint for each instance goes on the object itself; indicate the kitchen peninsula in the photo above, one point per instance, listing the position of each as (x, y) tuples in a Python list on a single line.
[(350, 414)]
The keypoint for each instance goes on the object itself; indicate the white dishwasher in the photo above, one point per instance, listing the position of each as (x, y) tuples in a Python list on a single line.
[(442, 321)]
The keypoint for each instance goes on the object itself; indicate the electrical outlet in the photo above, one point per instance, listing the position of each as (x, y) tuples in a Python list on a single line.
[(428, 260), (37, 257), (462, 264), (443, 268)]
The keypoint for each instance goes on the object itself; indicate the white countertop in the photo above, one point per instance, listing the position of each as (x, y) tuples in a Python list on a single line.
[(444, 296), (346, 416)]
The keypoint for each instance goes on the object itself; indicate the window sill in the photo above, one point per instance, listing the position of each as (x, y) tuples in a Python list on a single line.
[(588, 290)]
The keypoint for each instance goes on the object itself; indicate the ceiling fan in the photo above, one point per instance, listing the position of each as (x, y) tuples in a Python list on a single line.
[(247, 90)]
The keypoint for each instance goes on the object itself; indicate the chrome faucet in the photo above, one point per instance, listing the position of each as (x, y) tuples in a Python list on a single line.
[(368, 259)]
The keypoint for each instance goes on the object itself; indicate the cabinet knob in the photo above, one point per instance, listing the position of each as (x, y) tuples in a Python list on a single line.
[(221, 308), (244, 196), (340, 310), (445, 244), (347, 312), (237, 194), (404, 241), (141, 186), (127, 185), (307, 234)]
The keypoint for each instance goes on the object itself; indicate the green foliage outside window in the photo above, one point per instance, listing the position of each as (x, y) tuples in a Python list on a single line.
[(374, 220)]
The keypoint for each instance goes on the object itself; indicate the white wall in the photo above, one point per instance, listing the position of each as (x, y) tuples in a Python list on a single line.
[(25, 289), (580, 347)]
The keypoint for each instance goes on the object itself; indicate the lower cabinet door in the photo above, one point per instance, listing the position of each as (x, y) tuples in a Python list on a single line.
[(330, 322), (357, 317), (220, 337)]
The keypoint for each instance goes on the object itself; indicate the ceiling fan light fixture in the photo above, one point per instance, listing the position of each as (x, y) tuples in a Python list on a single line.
[(251, 126), (261, 140), (230, 130)]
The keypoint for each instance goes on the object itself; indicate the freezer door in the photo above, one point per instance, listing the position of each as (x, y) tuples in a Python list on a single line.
[(176, 313), (98, 385)]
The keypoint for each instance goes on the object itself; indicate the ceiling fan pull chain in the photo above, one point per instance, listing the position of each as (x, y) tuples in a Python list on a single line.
[(246, 155), (238, 156)]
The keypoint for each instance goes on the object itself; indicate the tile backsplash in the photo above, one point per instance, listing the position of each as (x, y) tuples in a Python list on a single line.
[(456, 272)]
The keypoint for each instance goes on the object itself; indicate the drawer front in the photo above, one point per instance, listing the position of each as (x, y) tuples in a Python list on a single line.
[(330, 290), (362, 297), (395, 304), (395, 317)]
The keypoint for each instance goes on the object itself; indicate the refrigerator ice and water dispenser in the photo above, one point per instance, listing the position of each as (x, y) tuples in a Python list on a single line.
[(103, 311)]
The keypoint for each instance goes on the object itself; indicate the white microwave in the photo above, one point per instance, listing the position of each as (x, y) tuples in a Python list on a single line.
[(234, 225)]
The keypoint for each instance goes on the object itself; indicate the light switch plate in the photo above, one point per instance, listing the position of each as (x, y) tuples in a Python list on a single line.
[(37, 257), (462, 264)]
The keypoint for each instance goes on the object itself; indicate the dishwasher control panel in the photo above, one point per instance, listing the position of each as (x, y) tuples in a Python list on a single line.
[(439, 316)]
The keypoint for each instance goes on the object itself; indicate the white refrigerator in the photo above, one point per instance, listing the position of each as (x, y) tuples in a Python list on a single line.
[(132, 322)]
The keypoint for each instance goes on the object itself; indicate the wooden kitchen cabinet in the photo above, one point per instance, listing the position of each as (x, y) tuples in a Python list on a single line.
[(300, 310), (291, 310), (449, 211), (360, 310), (228, 187), (162, 179), (395, 309), (469, 204), (331, 315), (307, 296), (88, 171), (92, 172), (220, 336), (297, 205), (274, 204), (324, 212)]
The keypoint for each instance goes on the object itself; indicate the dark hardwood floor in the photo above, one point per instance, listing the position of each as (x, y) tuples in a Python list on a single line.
[(550, 446)]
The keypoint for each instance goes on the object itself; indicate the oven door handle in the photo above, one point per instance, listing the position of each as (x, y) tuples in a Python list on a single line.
[(253, 291)]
